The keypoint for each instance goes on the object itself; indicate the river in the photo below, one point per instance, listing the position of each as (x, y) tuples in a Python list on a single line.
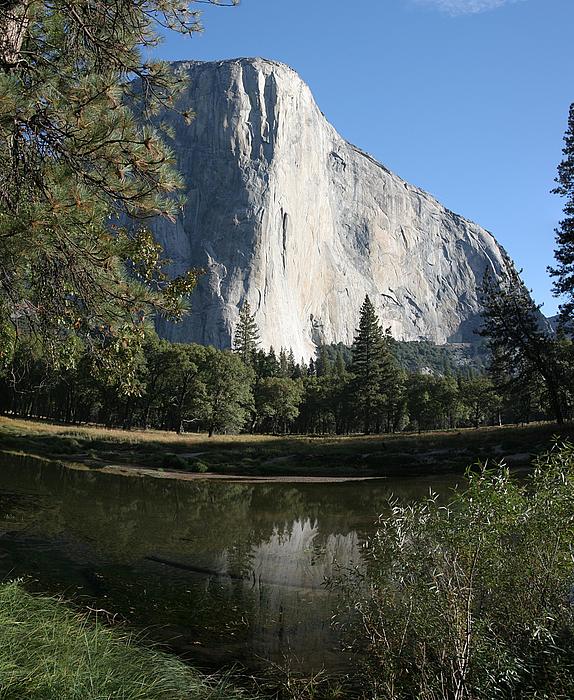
[(221, 572)]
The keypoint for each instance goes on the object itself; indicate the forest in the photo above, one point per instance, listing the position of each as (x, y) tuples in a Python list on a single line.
[(378, 385)]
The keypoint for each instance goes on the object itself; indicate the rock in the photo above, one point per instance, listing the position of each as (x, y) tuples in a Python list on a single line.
[(283, 212)]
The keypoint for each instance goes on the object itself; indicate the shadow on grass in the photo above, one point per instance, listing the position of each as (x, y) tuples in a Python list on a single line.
[(351, 456)]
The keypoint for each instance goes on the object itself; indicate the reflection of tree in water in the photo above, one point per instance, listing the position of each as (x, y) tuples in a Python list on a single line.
[(126, 518), (129, 518)]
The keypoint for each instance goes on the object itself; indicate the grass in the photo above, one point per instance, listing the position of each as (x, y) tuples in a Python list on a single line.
[(257, 455), (49, 652)]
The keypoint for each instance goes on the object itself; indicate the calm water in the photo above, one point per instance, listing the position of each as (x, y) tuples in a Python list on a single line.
[(220, 571)]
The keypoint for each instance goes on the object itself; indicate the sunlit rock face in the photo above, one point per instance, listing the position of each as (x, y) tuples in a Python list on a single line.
[(283, 212)]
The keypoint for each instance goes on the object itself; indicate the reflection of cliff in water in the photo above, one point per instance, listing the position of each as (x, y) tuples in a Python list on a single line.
[(222, 570), (291, 606)]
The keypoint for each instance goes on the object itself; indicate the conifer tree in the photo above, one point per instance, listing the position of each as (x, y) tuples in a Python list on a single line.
[(373, 367), (521, 349), (246, 338), (340, 367), (564, 252), (274, 368), (283, 363), (291, 364), (74, 158), (323, 363)]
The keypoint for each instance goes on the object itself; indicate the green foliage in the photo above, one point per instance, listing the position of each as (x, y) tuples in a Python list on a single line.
[(228, 397), (75, 160), (266, 364), (173, 461), (522, 350), (564, 252), (187, 387), (199, 467), (323, 365), (480, 398), (447, 402), (277, 401), (48, 652), (376, 382), (246, 337), (417, 356), (424, 356), (472, 599), (175, 390)]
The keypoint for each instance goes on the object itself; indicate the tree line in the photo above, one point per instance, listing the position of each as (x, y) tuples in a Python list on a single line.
[(362, 389)]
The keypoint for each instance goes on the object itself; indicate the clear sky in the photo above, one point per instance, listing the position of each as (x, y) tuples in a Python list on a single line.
[(467, 99)]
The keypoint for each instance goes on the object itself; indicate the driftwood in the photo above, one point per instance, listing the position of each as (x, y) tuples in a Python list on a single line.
[(193, 569), (253, 579)]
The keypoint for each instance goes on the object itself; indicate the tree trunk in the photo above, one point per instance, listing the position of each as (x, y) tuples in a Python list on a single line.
[(556, 403), (14, 22)]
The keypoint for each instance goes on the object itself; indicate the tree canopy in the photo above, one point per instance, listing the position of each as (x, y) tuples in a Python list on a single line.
[(522, 349), (80, 174)]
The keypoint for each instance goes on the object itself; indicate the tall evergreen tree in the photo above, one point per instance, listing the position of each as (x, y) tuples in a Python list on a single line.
[(564, 252), (283, 363), (521, 349), (246, 338), (291, 364), (373, 367), (340, 367), (323, 364)]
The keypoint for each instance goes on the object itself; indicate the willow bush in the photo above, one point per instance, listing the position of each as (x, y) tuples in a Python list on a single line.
[(472, 600)]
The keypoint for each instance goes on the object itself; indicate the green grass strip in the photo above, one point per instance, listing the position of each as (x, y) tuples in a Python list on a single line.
[(50, 652)]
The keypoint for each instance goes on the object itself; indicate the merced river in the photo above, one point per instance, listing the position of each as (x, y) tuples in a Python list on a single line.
[(219, 571)]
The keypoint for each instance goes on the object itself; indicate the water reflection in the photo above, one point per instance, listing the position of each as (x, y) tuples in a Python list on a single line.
[(221, 571)]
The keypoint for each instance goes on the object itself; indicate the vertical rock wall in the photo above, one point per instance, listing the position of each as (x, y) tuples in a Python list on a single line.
[(283, 212)]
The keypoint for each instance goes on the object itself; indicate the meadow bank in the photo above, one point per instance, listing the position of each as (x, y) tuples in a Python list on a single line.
[(402, 454)]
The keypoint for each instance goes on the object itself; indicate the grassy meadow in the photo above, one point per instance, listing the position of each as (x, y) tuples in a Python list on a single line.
[(297, 456)]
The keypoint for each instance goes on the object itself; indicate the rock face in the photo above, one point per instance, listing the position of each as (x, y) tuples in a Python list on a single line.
[(283, 212)]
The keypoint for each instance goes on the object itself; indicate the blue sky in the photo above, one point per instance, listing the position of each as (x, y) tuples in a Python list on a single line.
[(467, 99)]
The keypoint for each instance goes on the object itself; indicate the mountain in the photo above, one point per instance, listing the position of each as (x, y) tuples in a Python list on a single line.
[(283, 212)]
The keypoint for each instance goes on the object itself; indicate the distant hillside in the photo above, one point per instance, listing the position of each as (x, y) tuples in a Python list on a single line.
[(424, 356)]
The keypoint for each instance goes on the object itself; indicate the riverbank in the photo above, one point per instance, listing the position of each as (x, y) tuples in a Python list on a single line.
[(261, 457), (49, 651)]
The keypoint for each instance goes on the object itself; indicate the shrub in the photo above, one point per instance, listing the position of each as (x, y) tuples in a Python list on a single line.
[(474, 599), (173, 461), (199, 467)]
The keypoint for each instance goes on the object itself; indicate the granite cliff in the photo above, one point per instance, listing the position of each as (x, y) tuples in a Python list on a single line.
[(283, 212)]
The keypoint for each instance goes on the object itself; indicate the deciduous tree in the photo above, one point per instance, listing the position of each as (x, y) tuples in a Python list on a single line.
[(228, 397)]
